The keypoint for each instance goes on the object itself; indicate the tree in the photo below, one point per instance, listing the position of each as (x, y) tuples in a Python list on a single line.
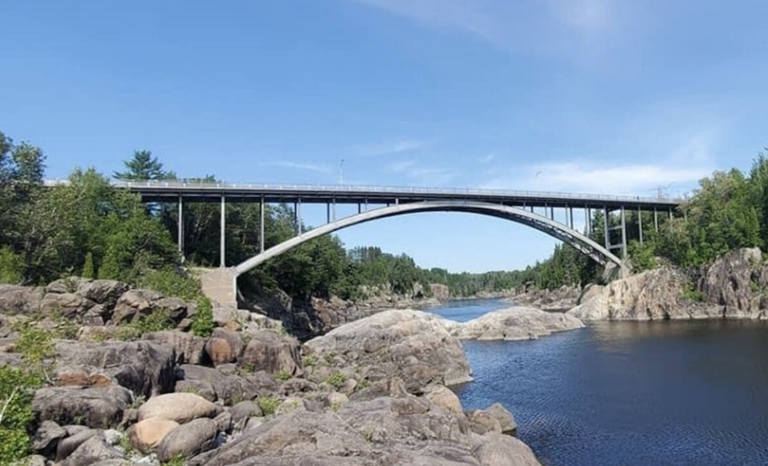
[(144, 167)]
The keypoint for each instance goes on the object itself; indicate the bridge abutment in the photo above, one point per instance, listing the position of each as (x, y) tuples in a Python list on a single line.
[(220, 285)]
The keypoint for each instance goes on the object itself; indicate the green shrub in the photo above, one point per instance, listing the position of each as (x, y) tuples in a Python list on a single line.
[(11, 266), (336, 379), (643, 256), (157, 321), (202, 322), (177, 460), (691, 293), (309, 361), (35, 344), (171, 283), (268, 404), (283, 375), (16, 391)]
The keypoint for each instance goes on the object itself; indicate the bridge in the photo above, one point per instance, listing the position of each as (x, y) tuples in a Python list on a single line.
[(534, 209)]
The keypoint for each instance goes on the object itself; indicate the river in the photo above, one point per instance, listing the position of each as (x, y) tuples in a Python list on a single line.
[(629, 393)]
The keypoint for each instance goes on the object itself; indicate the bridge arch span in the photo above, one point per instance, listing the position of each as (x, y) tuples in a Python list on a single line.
[(515, 214)]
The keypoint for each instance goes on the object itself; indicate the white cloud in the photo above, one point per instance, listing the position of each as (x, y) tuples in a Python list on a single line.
[(390, 148), (319, 168)]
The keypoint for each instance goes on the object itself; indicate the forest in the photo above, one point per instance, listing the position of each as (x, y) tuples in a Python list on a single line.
[(88, 228)]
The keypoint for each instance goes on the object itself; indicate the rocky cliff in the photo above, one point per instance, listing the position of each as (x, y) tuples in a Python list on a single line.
[(735, 286)]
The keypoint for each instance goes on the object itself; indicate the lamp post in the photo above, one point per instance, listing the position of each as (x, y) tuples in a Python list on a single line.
[(341, 172)]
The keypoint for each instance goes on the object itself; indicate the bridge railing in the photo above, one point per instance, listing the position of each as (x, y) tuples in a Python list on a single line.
[(310, 188)]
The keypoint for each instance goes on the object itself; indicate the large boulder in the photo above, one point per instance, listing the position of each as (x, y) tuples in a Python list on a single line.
[(406, 430), (143, 367), (296, 437), (517, 323), (97, 407), (224, 346), (134, 304), (92, 451), (178, 407), (502, 450), (67, 305), (505, 418), (189, 348), (47, 437), (412, 345), (104, 292), (228, 388), (146, 435), (267, 351), (20, 299), (188, 440)]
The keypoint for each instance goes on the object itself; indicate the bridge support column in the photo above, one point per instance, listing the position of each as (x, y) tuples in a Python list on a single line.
[(588, 212), (298, 217), (607, 232), (181, 227), (623, 234), (570, 215), (261, 226), (656, 219), (334, 209), (640, 223), (223, 225)]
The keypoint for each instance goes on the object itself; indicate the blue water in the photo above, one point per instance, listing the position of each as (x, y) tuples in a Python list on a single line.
[(626, 394)]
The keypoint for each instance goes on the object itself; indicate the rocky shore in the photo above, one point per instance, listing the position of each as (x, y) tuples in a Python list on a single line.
[(371, 392)]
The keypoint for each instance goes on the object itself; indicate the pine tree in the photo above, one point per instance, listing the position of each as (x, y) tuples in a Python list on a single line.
[(88, 270), (144, 167)]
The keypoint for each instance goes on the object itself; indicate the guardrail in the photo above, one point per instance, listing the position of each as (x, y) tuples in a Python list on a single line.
[(181, 185)]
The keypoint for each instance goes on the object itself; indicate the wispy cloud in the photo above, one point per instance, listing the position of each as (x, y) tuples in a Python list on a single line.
[(313, 167), (518, 24), (623, 179), (390, 148), (488, 158), (678, 172), (413, 172)]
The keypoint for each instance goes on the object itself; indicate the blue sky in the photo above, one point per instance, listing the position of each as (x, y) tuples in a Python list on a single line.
[(605, 96)]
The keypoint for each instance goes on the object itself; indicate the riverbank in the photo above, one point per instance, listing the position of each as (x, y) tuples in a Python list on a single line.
[(124, 386)]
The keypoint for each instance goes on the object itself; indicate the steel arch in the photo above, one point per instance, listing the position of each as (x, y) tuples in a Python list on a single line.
[(550, 227)]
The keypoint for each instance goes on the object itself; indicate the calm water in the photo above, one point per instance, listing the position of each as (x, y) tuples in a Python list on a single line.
[(626, 394)]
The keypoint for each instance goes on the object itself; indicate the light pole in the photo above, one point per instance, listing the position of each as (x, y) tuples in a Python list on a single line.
[(341, 172)]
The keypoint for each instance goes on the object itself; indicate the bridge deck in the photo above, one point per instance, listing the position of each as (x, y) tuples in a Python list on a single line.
[(159, 191)]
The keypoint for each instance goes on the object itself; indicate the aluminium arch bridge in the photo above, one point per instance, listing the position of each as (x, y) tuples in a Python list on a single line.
[(534, 209)]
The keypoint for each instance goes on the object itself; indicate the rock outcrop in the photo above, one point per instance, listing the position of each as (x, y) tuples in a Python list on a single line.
[(562, 298), (516, 323), (412, 345)]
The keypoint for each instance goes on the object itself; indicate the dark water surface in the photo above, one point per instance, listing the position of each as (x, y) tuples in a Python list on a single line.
[(634, 394)]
